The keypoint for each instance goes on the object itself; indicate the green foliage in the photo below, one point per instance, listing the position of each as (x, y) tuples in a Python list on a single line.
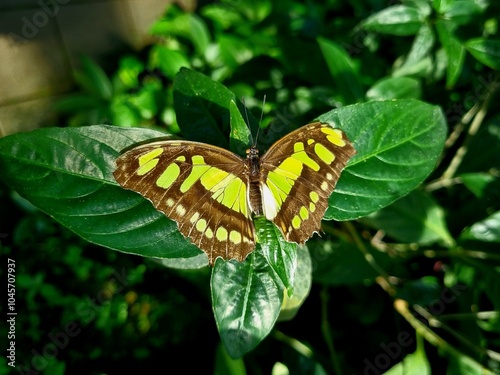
[(413, 85)]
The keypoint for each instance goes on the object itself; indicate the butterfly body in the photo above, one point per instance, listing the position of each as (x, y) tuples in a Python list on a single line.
[(254, 181), (213, 193)]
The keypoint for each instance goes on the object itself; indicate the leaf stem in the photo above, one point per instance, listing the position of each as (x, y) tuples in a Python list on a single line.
[(295, 344), (401, 306)]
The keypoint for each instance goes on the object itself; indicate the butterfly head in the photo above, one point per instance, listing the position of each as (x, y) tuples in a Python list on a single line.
[(253, 160), (252, 152)]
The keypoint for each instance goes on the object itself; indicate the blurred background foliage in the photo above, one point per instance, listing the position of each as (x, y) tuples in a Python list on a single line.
[(133, 314)]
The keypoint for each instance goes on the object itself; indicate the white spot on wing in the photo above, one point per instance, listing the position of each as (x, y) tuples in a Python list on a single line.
[(269, 205)]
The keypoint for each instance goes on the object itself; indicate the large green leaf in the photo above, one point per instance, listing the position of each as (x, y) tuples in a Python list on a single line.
[(398, 144), (67, 173), (246, 299)]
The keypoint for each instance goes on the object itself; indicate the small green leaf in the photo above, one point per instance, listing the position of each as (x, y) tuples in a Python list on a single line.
[(147, 100), (186, 25), (280, 255), (486, 51), (414, 218), (395, 20), (123, 112), (479, 183), (484, 148), (234, 51), (462, 12), (342, 70), (395, 88), (67, 173), (171, 61), (398, 144), (301, 285), (223, 17), (246, 300), (255, 11), (199, 33), (418, 60), (455, 51), (128, 72), (202, 107), (412, 364), (487, 230), (93, 79)]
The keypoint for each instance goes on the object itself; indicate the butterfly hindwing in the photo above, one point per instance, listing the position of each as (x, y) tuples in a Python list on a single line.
[(201, 187), (298, 174)]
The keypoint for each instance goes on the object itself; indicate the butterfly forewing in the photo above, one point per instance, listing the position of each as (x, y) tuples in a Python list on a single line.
[(298, 174), (201, 187)]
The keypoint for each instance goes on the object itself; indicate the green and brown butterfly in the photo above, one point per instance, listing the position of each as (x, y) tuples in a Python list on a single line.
[(213, 193)]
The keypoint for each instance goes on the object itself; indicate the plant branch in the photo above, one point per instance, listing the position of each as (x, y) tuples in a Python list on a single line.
[(436, 322), (401, 307), (369, 257), (479, 112)]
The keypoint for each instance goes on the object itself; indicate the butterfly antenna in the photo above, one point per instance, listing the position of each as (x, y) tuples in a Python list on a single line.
[(260, 121), (246, 115)]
